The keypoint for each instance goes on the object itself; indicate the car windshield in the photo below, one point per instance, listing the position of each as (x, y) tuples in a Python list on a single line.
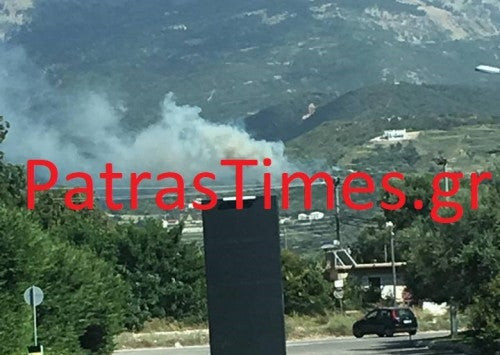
[(405, 313)]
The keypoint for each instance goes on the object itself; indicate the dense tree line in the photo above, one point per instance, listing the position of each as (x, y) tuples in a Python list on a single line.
[(457, 262)]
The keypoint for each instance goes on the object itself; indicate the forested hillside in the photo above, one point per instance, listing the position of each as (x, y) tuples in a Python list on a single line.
[(420, 102)]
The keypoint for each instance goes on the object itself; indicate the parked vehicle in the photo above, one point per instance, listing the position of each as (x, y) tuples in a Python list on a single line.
[(386, 321)]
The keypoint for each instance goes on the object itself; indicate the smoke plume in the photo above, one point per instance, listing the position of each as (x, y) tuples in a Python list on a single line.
[(81, 131)]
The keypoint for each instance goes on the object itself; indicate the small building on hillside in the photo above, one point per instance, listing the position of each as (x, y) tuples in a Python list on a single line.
[(394, 134)]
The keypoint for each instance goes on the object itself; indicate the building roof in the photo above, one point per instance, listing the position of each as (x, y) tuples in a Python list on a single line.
[(369, 266)]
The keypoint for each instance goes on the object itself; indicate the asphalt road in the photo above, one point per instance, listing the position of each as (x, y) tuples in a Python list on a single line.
[(399, 344)]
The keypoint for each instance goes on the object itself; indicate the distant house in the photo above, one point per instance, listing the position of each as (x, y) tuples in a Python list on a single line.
[(316, 215), (302, 217), (374, 276), (394, 134), (167, 223), (285, 220), (377, 276)]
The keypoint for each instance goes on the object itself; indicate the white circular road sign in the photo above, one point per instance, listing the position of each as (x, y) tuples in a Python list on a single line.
[(338, 294), (33, 296)]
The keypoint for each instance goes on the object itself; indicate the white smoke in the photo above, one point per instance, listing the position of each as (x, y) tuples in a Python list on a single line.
[(82, 131), (13, 13)]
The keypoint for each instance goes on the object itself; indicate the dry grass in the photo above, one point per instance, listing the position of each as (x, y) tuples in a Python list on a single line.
[(162, 339), (169, 333), (332, 324)]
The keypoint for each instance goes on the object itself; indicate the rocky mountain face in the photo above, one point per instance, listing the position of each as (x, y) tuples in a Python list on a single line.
[(233, 58)]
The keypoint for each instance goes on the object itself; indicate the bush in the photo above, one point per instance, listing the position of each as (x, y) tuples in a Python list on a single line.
[(305, 289), (353, 293)]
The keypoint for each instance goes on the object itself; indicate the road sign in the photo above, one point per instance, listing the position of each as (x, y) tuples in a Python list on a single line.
[(33, 296), (338, 283), (407, 296), (338, 294)]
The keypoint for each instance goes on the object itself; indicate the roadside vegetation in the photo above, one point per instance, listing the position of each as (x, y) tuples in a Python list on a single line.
[(158, 333)]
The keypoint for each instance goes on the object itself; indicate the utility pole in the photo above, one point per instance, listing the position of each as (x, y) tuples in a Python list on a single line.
[(453, 319), (284, 234), (446, 187), (337, 207)]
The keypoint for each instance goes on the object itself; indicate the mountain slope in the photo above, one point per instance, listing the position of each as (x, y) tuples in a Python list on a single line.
[(469, 142), (236, 57), (284, 122)]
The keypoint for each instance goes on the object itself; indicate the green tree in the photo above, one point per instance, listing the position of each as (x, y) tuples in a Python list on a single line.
[(457, 262), (85, 297), (84, 303), (415, 187), (371, 246), (485, 311), (460, 257), (373, 243), (12, 179), (305, 289), (166, 275)]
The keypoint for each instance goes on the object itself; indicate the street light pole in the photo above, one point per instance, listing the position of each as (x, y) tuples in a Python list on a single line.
[(453, 314), (393, 269), (453, 311), (444, 163), (390, 225)]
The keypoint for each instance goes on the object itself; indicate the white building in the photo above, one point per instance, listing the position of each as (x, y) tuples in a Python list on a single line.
[(316, 215), (394, 134), (302, 217)]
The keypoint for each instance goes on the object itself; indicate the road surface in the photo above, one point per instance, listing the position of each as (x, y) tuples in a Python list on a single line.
[(399, 344)]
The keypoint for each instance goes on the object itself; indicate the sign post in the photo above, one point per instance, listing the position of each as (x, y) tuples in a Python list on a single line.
[(338, 293), (34, 297)]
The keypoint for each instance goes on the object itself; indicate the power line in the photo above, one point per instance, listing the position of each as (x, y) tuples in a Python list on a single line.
[(197, 193)]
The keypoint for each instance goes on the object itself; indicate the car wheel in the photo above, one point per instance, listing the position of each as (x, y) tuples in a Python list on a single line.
[(389, 332), (358, 334), (413, 332), (381, 335)]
